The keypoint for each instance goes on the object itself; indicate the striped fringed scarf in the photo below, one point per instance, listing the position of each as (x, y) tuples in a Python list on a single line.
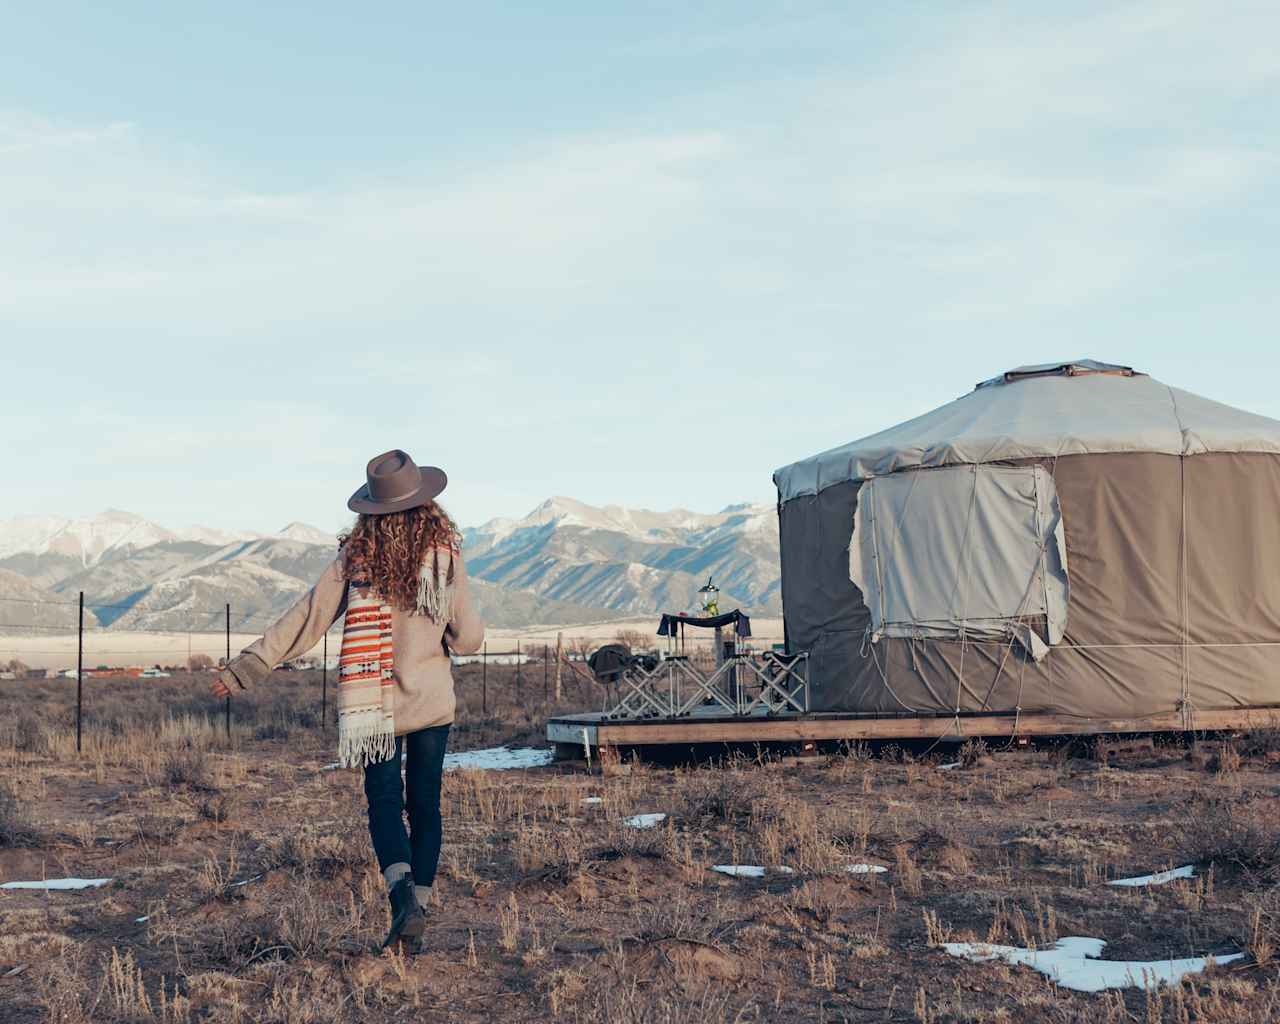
[(366, 664), (366, 681)]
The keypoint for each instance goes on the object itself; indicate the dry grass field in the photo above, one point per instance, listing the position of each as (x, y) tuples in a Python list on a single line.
[(252, 869)]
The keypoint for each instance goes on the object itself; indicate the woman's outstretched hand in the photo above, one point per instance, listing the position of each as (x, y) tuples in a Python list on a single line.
[(219, 686)]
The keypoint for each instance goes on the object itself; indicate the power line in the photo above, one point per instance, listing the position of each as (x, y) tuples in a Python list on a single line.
[(111, 654), (178, 631), (129, 605), (69, 628)]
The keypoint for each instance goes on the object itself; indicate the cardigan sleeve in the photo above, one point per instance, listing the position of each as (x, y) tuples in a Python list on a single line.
[(465, 633), (295, 632)]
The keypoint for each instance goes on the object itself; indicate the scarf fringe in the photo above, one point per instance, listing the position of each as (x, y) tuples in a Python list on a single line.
[(364, 738), (435, 592)]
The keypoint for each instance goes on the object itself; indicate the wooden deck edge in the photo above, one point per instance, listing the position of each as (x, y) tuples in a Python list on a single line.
[(661, 732)]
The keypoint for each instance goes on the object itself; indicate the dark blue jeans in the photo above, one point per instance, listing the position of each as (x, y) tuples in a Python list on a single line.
[(420, 793)]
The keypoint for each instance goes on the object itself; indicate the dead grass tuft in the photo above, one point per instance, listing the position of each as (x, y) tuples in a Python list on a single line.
[(716, 794), (64, 992), (30, 735), (1260, 742), (630, 998), (218, 807), (1233, 835), (322, 855), (16, 826), (188, 766)]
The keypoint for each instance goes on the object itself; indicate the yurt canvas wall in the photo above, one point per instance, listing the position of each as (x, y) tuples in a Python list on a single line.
[(1072, 538)]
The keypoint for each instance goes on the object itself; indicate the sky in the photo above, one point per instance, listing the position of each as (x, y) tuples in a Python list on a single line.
[(635, 253)]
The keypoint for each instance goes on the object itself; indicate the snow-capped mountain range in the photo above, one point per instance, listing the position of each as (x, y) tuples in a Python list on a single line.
[(90, 538), (632, 560), (565, 562)]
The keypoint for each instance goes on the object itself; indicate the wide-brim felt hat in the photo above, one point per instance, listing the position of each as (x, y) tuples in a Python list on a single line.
[(394, 483)]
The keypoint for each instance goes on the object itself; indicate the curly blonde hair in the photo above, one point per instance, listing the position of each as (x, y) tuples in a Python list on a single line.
[(387, 551)]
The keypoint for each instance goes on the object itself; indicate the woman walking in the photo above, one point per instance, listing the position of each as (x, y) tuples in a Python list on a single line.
[(400, 581)]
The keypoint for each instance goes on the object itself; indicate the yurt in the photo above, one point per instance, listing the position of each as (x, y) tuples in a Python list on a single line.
[(1072, 538)]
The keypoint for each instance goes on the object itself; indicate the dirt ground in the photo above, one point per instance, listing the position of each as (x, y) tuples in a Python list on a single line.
[(250, 866)]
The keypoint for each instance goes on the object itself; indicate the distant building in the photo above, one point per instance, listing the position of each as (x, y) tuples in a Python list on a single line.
[(493, 659)]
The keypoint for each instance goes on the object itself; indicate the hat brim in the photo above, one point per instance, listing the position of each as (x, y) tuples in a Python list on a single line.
[(433, 483)]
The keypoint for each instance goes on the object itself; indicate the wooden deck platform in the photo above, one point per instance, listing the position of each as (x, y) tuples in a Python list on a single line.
[(711, 726)]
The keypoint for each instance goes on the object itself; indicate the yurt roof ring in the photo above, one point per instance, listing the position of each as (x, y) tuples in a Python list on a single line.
[(1075, 368)]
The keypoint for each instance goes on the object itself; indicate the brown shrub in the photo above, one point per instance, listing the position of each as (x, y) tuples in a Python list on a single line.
[(322, 856), (30, 735), (715, 794), (188, 766), (218, 807), (1231, 834), (632, 999), (16, 828), (1260, 742), (63, 990)]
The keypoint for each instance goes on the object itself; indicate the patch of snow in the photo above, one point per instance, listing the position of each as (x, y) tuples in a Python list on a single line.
[(236, 885), (212, 535), (140, 920), (492, 758), (58, 883), (1159, 878), (499, 758), (644, 820), (1073, 964), (307, 534), (948, 767), (865, 869), (748, 870), (593, 799)]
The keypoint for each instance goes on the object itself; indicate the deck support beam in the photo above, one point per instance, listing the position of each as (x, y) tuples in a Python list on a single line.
[(819, 727)]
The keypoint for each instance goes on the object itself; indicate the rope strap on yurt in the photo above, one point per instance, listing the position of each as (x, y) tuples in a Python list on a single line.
[(1185, 705)]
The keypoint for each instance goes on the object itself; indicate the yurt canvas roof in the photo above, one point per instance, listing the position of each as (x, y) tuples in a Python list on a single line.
[(1068, 408)]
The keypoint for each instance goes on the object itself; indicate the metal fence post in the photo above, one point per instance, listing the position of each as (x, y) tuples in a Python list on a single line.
[(324, 684), (519, 678), (228, 706), (559, 663), (79, 671), (484, 680), (544, 673)]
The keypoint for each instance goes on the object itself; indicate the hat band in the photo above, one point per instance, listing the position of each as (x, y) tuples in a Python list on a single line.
[(398, 497)]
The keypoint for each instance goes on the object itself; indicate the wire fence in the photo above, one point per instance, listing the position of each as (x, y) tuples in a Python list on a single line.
[(202, 639)]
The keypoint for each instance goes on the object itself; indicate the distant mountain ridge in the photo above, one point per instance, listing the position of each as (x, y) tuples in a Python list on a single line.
[(633, 560), (23, 605), (90, 538), (563, 563)]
